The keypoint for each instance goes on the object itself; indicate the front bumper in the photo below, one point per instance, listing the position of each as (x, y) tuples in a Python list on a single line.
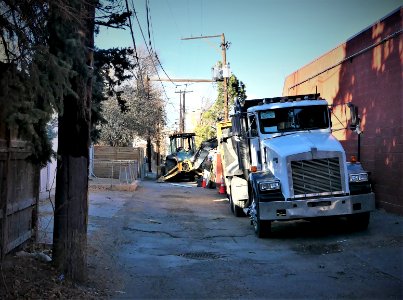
[(319, 207)]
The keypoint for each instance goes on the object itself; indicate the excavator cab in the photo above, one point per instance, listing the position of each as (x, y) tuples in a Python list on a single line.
[(184, 160), (183, 144), (179, 162)]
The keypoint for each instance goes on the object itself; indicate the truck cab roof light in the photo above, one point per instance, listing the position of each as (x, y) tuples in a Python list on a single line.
[(353, 159), (253, 169)]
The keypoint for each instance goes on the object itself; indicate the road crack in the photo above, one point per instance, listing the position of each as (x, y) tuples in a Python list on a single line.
[(224, 236), (151, 231)]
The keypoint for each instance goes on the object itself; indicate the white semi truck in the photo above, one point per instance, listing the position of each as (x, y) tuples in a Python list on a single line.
[(281, 162)]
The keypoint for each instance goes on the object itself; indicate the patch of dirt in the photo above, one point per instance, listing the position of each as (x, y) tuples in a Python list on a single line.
[(105, 184), (27, 277)]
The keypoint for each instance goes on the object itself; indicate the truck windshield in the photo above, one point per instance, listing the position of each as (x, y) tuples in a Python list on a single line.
[(294, 119)]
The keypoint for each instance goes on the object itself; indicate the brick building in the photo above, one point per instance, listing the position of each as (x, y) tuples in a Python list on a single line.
[(367, 71)]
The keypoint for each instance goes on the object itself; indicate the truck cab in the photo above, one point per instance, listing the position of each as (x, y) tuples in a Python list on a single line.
[(281, 162)]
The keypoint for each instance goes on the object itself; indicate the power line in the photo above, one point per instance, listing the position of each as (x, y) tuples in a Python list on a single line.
[(145, 42), (151, 25), (151, 56), (148, 23), (148, 50), (136, 54), (134, 44), (132, 34), (159, 62)]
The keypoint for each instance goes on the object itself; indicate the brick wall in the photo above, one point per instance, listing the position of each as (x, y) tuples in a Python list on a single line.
[(367, 71)]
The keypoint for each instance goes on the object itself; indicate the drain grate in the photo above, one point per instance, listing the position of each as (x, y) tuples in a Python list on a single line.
[(200, 255), (319, 249)]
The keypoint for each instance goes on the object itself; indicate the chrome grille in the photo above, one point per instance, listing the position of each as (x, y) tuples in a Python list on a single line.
[(317, 176)]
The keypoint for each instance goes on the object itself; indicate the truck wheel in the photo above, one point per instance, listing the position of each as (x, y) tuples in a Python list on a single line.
[(235, 209), (262, 228), (358, 221), (230, 203)]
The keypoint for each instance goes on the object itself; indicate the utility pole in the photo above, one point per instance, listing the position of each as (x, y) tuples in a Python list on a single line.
[(224, 46), (148, 147), (181, 106), (182, 110)]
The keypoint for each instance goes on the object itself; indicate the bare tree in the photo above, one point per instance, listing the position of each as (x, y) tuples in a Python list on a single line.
[(143, 111)]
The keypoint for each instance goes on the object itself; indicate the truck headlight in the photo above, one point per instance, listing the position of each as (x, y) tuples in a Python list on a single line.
[(359, 177), (269, 185)]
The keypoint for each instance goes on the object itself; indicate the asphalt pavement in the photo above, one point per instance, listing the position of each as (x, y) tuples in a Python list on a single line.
[(179, 241), (175, 240)]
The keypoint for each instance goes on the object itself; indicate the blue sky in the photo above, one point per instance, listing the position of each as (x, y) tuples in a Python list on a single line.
[(269, 39)]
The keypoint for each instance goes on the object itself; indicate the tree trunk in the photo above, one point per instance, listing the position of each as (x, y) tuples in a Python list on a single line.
[(71, 199), (149, 154)]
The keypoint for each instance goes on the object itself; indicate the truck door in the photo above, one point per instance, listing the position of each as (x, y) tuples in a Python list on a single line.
[(254, 145)]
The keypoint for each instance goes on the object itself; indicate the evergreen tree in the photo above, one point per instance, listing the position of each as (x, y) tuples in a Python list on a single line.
[(47, 66), (32, 81)]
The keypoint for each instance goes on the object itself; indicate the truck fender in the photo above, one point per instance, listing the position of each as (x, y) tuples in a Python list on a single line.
[(355, 168), (256, 178), (239, 190), (363, 187)]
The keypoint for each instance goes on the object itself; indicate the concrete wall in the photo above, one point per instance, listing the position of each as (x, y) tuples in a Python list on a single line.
[(367, 71)]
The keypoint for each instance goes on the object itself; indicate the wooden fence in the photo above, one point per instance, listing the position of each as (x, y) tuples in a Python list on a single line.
[(117, 162), (19, 193)]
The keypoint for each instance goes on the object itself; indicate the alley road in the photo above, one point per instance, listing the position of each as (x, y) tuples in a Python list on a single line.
[(167, 241)]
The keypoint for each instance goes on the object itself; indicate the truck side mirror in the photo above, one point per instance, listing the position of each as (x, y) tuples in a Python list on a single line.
[(253, 132), (354, 118)]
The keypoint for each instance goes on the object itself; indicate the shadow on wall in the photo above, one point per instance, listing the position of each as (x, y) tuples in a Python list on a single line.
[(372, 80), (367, 71)]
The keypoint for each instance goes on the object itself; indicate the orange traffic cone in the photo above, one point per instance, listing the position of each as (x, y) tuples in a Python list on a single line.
[(222, 187), (204, 182)]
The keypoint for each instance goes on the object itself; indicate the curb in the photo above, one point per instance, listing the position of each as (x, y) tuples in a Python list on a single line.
[(115, 187)]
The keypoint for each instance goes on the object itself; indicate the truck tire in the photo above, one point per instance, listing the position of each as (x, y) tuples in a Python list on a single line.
[(359, 221), (262, 228)]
